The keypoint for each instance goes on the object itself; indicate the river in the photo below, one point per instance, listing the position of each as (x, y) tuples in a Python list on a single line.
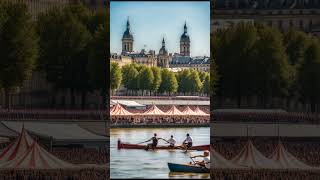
[(130, 163)]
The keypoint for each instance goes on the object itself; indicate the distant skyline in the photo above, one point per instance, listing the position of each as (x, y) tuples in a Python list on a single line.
[(151, 21)]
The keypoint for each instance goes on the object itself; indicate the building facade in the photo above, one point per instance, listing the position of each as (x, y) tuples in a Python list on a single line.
[(302, 15), (163, 59)]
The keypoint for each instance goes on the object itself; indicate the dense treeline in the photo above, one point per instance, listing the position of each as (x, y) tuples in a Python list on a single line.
[(69, 45), (144, 80), (259, 61)]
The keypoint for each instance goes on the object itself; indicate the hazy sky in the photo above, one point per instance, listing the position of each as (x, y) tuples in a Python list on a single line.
[(151, 21)]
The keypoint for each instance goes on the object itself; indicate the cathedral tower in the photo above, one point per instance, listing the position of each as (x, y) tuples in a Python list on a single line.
[(163, 57), (185, 42), (127, 40)]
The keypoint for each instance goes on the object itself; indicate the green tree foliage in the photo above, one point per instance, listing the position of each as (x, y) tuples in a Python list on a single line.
[(97, 65), (233, 55), (206, 84), (195, 82), (309, 75), (18, 47), (157, 78), (130, 77), (145, 79), (169, 82), (271, 67), (115, 76), (183, 81)]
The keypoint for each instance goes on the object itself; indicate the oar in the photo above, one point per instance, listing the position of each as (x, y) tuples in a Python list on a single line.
[(164, 140), (142, 142), (192, 160)]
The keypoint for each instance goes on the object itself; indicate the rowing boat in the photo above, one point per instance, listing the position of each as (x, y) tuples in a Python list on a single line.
[(187, 168), (140, 146)]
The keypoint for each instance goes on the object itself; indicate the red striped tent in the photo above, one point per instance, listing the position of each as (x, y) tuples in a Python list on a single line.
[(154, 110), (174, 111), (188, 111), (118, 110), (16, 148), (200, 112), (37, 158)]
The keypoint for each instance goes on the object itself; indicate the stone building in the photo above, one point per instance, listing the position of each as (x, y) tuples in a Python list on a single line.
[(199, 63), (282, 14)]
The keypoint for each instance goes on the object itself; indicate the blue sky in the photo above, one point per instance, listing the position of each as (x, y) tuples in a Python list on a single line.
[(151, 21)]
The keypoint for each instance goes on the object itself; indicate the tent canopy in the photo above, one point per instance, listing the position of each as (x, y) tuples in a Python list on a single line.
[(58, 131), (188, 111), (200, 112), (250, 157), (174, 111), (154, 110), (118, 110), (286, 160)]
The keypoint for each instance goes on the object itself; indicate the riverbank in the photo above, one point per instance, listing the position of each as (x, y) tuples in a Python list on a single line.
[(158, 125)]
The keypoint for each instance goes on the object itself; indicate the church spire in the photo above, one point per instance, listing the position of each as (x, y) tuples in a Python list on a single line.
[(185, 27), (163, 42), (128, 24)]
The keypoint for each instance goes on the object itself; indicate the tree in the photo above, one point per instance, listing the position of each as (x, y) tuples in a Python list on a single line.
[(97, 65), (169, 82), (195, 82), (157, 78), (183, 81), (272, 69), (130, 77), (309, 75), (145, 79), (115, 76), (64, 40), (232, 49), (18, 47), (206, 84)]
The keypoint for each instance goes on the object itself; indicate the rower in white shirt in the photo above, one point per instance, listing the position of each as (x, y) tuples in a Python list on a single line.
[(187, 142), (205, 161), (171, 141)]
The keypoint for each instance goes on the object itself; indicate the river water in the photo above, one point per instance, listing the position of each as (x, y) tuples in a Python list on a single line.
[(131, 163)]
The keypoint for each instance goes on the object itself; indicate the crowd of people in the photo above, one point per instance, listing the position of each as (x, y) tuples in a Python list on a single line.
[(43, 114), (83, 155), (59, 174), (150, 120), (290, 117), (263, 174)]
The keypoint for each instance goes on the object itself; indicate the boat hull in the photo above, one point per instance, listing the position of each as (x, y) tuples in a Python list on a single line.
[(140, 146), (187, 168)]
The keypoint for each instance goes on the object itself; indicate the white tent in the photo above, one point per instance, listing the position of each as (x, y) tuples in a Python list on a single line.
[(219, 162), (252, 158), (154, 110), (285, 160), (16, 148), (174, 111)]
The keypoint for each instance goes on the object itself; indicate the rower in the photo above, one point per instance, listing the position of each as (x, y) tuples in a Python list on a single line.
[(187, 142), (171, 141), (205, 161), (154, 143)]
